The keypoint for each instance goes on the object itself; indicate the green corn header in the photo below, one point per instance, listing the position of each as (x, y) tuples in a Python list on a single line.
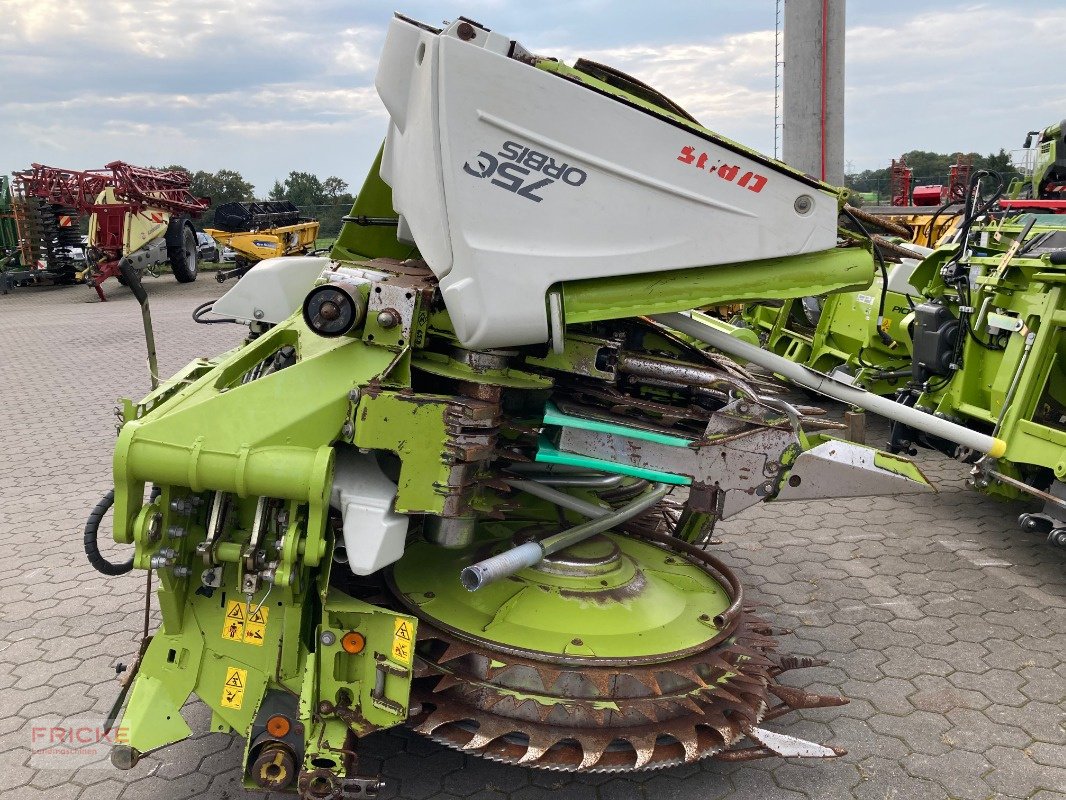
[(971, 333), (361, 518)]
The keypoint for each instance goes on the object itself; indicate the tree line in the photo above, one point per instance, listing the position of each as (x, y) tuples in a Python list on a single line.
[(929, 168), (326, 200), (329, 200)]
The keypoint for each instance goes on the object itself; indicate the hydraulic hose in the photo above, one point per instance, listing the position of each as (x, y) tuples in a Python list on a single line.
[(91, 540), (199, 314)]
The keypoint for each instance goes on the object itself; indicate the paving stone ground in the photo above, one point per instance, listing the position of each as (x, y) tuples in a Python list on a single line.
[(944, 624)]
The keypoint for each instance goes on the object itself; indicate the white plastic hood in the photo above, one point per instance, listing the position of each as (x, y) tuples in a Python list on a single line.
[(510, 179)]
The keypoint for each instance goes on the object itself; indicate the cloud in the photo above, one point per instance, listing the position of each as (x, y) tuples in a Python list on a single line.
[(727, 85), (264, 86), (971, 77), (93, 81)]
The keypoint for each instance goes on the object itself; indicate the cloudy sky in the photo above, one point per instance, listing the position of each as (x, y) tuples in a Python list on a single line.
[(268, 86)]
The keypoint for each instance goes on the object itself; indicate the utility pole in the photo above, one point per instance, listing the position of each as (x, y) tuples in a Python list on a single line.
[(813, 124)]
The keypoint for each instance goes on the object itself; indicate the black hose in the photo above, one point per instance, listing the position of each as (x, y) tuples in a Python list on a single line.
[(974, 209), (932, 223), (92, 545), (207, 308)]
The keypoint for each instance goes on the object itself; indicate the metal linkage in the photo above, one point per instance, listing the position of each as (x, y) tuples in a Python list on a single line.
[(818, 382)]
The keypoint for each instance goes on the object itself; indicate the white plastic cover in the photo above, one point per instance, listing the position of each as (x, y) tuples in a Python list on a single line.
[(374, 534), (510, 179), (272, 290)]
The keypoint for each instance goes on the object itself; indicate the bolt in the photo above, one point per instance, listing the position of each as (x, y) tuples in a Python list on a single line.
[(164, 558), (176, 531), (465, 31), (258, 313), (804, 203), (388, 318), (355, 394), (347, 430), (329, 311), (576, 642), (328, 638), (181, 572)]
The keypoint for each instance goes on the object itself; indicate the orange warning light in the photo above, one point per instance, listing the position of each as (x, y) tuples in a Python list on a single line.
[(353, 642), (278, 726)]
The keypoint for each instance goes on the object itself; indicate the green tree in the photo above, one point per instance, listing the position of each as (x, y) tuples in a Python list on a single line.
[(302, 188), (224, 186), (325, 200), (334, 187), (1000, 162)]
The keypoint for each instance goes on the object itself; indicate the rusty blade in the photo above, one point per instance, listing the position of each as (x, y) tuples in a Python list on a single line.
[(592, 749), (786, 663), (644, 747), (539, 742), (797, 698)]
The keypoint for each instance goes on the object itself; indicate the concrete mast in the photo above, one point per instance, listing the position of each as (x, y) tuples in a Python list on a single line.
[(813, 124)]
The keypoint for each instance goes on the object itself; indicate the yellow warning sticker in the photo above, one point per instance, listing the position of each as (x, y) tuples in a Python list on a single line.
[(233, 624), (233, 688), (235, 628), (402, 640), (256, 626)]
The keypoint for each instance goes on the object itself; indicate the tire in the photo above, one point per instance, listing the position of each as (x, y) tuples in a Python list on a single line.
[(183, 253)]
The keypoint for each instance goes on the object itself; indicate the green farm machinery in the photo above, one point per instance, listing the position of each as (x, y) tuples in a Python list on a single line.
[(989, 352), (10, 254), (1045, 166), (969, 332), (463, 474)]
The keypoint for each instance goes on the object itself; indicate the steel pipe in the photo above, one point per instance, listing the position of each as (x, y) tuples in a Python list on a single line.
[(561, 499), (823, 384), (530, 554), (687, 374)]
